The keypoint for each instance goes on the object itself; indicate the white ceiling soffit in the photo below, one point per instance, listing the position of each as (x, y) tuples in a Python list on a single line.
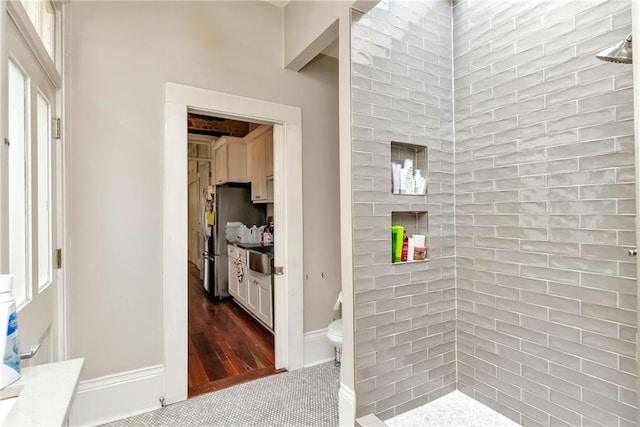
[(332, 50)]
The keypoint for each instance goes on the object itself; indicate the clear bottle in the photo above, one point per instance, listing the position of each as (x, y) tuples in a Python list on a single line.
[(410, 184), (417, 182)]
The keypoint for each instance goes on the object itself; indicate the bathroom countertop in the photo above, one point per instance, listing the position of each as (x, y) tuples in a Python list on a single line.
[(47, 393)]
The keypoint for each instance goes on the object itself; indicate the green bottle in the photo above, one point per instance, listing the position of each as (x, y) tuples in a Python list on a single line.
[(397, 234)]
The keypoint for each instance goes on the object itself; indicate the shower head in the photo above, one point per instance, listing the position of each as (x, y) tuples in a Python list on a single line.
[(620, 53)]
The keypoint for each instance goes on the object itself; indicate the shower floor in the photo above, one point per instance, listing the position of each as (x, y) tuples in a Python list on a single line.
[(454, 409)]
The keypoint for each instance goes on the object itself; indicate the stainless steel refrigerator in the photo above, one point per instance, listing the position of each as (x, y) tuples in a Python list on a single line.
[(232, 204)]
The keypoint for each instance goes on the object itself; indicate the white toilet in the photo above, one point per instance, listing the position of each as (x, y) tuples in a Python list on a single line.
[(334, 334)]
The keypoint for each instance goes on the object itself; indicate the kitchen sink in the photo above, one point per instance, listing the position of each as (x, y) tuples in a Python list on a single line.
[(260, 262), (263, 249)]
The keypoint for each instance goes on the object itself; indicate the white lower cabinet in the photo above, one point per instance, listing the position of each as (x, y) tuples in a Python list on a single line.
[(261, 303), (233, 278), (237, 273), (265, 307), (254, 295), (232, 259), (243, 280), (252, 290)]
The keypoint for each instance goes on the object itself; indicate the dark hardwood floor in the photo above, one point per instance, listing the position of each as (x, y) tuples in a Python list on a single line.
[(226, 345)]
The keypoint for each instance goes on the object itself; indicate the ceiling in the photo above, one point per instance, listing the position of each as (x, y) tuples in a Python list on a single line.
[(200, 124), (204, 129)]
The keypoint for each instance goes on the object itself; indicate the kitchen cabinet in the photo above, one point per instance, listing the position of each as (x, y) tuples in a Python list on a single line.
[(265, 304), (268, 154), (259, 163), (251, 290), (237, 273), (233, 279), (260, 297), (230, 160), (241, 274), (232, 259), (253, 294), (242, 287), (255, 151)]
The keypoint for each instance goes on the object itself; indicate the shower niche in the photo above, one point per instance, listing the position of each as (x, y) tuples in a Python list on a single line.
[(409, 237), (409, 163)]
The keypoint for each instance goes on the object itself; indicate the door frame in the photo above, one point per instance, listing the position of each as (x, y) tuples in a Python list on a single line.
[(288, 288)]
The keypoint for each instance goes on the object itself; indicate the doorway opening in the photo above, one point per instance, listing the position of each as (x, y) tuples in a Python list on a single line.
[(286, 122), (230, 252)]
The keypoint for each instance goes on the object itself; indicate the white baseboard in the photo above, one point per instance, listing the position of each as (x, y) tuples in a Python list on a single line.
[(317, 348), (118, 396), (346, 406)]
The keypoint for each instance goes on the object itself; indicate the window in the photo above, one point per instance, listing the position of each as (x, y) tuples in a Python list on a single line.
[(43, 17), (19, 172)]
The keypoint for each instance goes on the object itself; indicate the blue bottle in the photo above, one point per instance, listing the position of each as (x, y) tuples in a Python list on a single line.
[(9, 344)]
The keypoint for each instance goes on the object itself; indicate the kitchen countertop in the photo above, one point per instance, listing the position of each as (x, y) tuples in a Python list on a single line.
[(47, 394), (250, 245)]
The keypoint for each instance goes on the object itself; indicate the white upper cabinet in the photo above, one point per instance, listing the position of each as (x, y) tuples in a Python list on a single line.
[(260, 162), (230, 160)]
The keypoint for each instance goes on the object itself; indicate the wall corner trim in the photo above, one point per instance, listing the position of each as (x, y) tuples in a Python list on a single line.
[(346, 406), (114, 397)]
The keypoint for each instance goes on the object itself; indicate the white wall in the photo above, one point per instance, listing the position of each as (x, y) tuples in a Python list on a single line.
[(122, 53)]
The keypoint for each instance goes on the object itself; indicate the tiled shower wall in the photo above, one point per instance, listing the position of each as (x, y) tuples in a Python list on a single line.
[(544, 203), (546, 295), (405, 314)]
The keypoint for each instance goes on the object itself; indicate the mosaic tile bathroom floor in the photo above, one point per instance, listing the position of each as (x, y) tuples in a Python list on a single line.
[(306, 397)]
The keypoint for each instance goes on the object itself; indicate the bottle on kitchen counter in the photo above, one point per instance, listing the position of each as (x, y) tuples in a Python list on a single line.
[(268, 232), (244, 235), (255, 234), (267, 238)]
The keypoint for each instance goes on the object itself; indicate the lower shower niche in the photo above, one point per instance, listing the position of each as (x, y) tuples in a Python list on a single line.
[(409, 237)]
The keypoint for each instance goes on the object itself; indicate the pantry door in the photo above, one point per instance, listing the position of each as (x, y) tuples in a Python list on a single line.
[(30, 159)]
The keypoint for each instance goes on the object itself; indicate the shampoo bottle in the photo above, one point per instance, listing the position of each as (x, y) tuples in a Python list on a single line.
[(397, 233), (417, 182), (395, 167), (405, 247), (410, 185), (9, 345)]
